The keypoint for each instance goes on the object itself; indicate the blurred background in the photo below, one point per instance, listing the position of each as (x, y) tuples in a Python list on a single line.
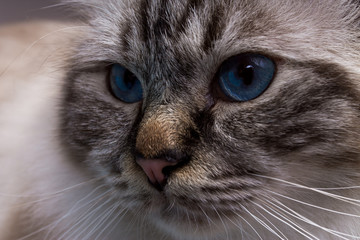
[(26, 10)]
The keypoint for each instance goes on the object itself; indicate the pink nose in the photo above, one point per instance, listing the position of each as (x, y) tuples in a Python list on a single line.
[(153, 168)]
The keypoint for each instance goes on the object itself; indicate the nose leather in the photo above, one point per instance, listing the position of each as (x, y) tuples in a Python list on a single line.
[(153, 168)]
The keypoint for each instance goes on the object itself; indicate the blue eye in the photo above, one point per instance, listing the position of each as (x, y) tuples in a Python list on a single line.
[(246, 76), (125, 85)]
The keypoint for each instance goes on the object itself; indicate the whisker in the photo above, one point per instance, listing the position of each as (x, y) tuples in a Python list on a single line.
[(355, 202), (73, 210), (171, 206), (48, 196), (143, 225), (339, 188), (207, 217), (239, 226), (196, 224), (351, 201), (222, 221), (51, 224), (97, 199), (287, 221), (295, 214), (263, 223), (53, 193), (106, 215), (117, 219), (314, 206), (52, 6), (66, 3), (86, 216), (36, 42), (138, 214), (278, 230), (241, 217)]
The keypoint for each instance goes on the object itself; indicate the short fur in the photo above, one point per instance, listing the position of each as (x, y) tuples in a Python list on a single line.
[(282, 166)]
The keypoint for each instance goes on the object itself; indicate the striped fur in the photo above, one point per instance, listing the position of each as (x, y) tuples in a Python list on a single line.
[(283, 166)]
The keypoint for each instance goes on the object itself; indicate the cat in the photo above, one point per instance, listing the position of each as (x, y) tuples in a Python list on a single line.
[(181, 120)]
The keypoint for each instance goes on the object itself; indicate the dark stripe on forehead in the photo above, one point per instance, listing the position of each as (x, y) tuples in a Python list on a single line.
[(144, 20), (215, 27), (126, 38), (192, 6), (162, 24)]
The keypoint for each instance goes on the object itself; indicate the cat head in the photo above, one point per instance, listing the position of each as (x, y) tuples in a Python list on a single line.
[(222, 149)]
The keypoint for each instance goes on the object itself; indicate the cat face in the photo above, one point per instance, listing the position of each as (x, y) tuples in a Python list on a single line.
[(231, 156)]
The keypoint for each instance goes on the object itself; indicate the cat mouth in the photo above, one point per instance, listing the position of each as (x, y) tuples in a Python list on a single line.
[(159, 185)]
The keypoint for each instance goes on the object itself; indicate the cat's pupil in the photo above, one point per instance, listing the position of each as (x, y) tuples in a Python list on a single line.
[(129, 79), (247, 74)]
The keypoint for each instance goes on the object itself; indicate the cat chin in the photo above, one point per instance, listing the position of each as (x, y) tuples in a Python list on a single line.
[(182, 223), (178, 229), (203, 229)]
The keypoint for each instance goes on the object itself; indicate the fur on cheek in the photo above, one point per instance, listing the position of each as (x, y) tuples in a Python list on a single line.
[(284, 165)]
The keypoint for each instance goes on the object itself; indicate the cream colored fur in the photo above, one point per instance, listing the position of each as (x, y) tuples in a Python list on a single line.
[(37, 184)]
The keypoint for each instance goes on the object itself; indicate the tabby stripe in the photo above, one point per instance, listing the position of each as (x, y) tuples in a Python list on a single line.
[(144, 20), (192, 6), (294, 129), (126, 37), (214, 29), (162, 25)]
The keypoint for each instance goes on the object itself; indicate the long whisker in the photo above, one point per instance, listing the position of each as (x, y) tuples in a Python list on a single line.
[(81, 228), (314, 206), (263, 223), (87, 215), (238, 225), (355, 202), (170, 207), (286, 221), (56, 222), (196, 224), (241, 217), (48, 196), (83, 4), (53, 193), (77, 207), (142, 216), (207, 217), (102, 221), (36, 42), (118, 219), (295, 214), (222, 221), (339, 188), (278, 230)]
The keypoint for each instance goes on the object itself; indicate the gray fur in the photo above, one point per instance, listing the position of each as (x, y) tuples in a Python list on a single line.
[(304, 129), (308, 117)]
